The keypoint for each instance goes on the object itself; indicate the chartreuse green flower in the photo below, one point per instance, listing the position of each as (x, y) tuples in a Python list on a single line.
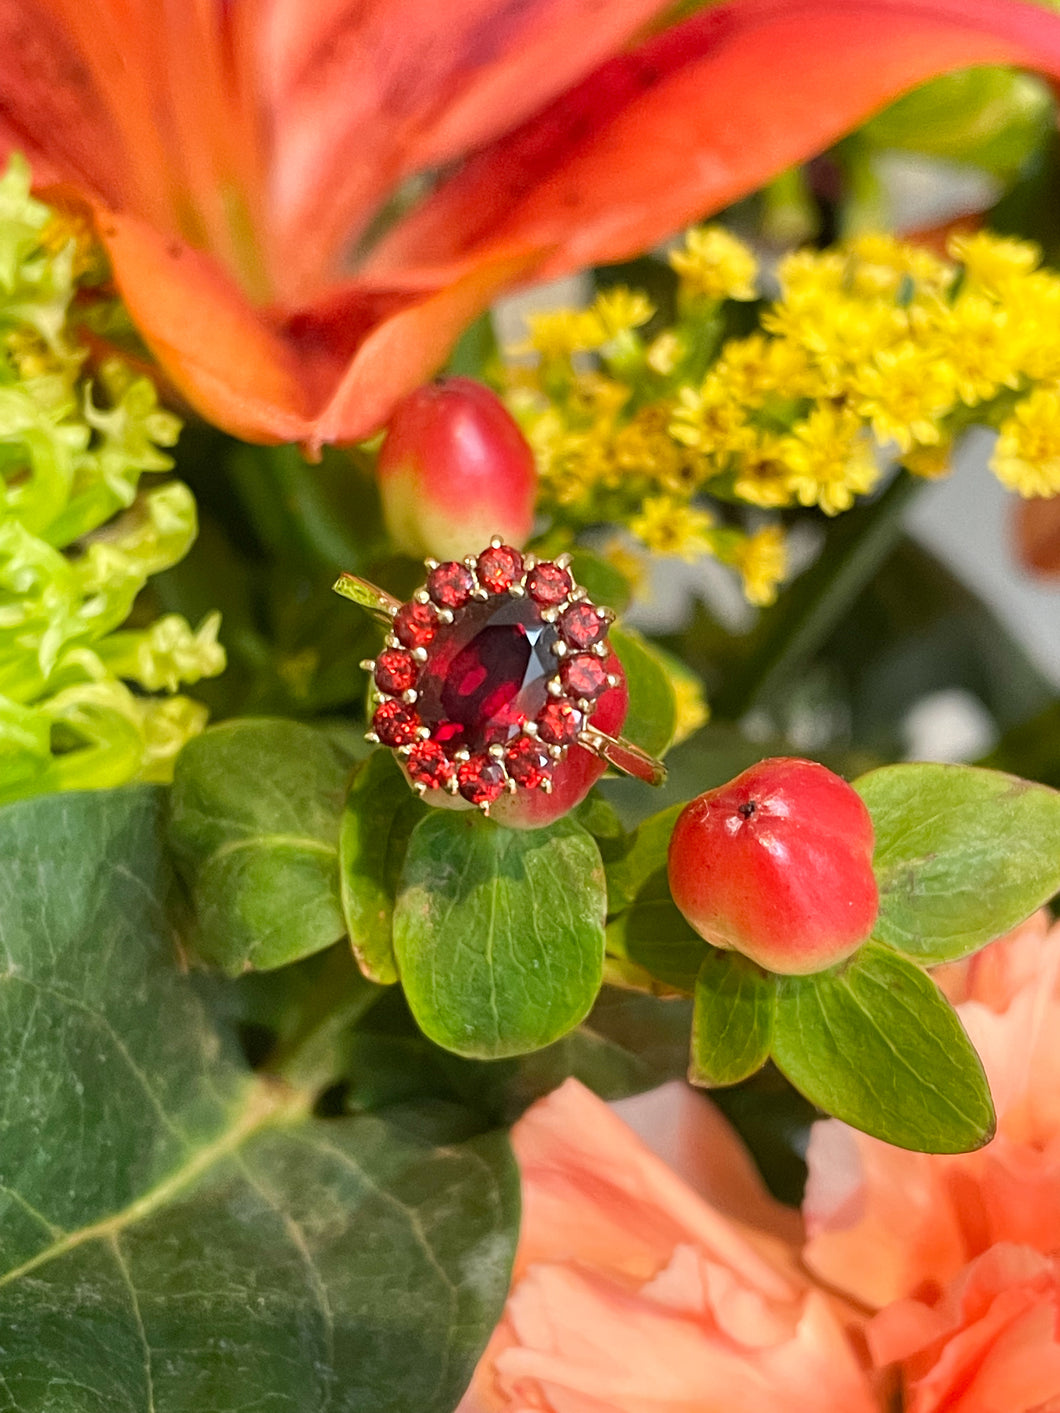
[(86, 698), (872, 349)]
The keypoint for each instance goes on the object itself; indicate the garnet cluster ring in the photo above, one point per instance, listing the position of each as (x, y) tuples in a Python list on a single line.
[(491, 672)]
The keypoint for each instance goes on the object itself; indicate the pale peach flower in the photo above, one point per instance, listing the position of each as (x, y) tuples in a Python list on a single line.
[(632, 1294), (990, 1344)]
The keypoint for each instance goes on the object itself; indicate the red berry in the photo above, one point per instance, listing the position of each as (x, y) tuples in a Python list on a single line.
[(395, 724), (395, 671), (450, 584), (528, 762), (481, 779), (428, 765), (548, 583), (583, 676), (583, 625), (559, 723), (455, 469), (415, 624), (499, 567), (777, 864)]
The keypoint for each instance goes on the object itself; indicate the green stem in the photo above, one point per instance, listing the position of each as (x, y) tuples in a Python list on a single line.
[(810, 609)]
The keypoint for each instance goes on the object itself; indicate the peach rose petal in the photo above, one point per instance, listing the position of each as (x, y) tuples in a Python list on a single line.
[(989, 1345)]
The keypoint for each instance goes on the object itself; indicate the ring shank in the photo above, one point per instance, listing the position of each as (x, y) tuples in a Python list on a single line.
[(626, 757)]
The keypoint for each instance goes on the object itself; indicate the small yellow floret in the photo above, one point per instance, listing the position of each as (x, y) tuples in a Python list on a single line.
[(620, 310), (715, 265), (762, 560), (1027, 456), (669, 526), (829, 460), (994, 262)]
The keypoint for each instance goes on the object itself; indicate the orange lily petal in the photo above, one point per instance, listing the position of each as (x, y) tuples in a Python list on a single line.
[(365, 95), (214, 347), (697, 117)]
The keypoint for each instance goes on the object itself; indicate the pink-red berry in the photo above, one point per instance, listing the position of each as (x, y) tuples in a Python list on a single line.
[(777, 864)]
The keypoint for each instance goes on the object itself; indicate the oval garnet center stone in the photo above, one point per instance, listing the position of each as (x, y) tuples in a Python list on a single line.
[(487, 674)]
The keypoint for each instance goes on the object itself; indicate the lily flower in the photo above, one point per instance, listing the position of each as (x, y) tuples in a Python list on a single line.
[(241, 157)]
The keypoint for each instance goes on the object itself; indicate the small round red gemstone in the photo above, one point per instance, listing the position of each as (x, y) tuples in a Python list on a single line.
[(395, 671), (547, 583), (583, 676), (450, 584), (528, 762), (429, 765), (559, 723), (582, 626), (395, 724), (481, 779), (499, 567), (415, 624)]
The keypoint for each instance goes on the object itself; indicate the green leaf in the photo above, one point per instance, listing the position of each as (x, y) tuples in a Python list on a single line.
[(732, 1023), (654, 935), (255, 815), (876, 1044), (499, 933), (176, 1233), (644, 857), (380, 814), (647, 928), (962, 855), (627, 1043), (652, 717)]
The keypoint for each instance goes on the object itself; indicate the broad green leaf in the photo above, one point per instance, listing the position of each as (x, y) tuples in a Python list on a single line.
[(654, 935), (499, 933), (647, 928), (606, 585), (962, 855), (644, 857), (875, 1043), (732, 1023), (626, 1044), (652, 717), (381, 812), (255, 814), (176, 1234)]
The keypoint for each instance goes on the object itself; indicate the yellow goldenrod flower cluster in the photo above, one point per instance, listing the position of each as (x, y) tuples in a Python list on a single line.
[(873, 352)]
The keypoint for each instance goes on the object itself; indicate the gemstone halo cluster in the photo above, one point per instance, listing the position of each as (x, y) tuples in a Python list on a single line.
[(490, 673)]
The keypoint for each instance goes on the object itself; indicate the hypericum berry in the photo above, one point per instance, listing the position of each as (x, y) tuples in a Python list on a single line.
[(395, 723), (548, 583), (450, 585), (777, 864), (415, 624), (395, 671), (583, 676), (455, 469), (499, 567)]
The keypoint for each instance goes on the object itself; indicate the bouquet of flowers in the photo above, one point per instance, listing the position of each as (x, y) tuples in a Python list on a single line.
[(473, 932)]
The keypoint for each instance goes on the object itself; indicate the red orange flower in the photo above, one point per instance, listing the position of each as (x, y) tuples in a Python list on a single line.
[(234, 153)]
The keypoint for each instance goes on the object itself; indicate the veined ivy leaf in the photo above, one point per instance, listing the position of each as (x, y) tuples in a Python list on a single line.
[(875, 1043), (255, 814), (175, 1233), (499, 933), (962, 855)]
